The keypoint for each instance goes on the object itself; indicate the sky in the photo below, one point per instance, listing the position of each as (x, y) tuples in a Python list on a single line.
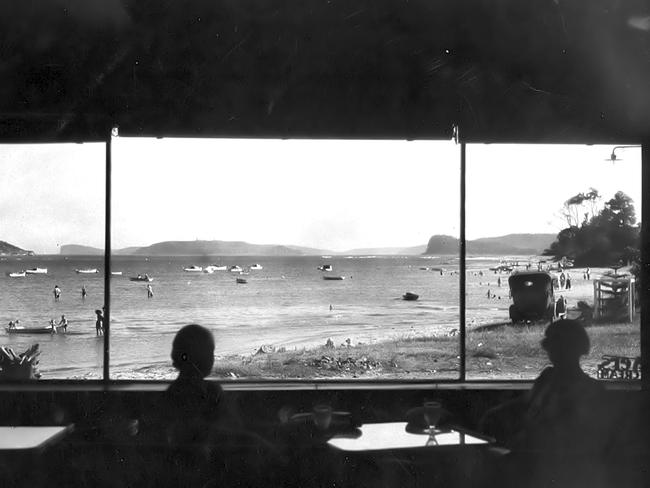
[(331, 195)]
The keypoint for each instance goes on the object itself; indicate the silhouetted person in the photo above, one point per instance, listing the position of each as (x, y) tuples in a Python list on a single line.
[(561, 426), (560, 307), (200, 425)]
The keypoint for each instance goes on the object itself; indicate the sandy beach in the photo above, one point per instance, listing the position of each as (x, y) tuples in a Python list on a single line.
[(501, 352)]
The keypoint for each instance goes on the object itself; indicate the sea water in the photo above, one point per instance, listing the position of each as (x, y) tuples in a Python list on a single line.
[(284, 304)]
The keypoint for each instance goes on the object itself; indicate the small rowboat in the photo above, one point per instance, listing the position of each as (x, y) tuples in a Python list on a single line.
[(241, 281), (87, 271), (337, 278), (214, 267), (17, 274), (408, 296), (196, 269), (36, 271), (32, 330), (141, 278)]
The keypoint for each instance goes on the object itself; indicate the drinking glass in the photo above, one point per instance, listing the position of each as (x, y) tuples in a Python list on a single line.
[(322, 416), (432, 413)]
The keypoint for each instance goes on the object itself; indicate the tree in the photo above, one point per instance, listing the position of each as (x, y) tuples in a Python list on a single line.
[(582, 204), (602, 239)]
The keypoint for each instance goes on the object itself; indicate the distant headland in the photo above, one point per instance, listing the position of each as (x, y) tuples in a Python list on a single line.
[(438, 244), (7, 249)]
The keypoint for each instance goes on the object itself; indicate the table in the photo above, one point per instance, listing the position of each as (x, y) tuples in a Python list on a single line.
[(390, 454), (23, 461), (394, 435), (20, 438)]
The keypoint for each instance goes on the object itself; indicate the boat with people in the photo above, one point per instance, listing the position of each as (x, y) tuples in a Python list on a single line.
[(235, 269), (241, 281), (87, 271), (193, 269), (410, 297), (36, 271), (334, 278), (256, 266), (33, 330), (16, 274), (325, 267), (140, 277)]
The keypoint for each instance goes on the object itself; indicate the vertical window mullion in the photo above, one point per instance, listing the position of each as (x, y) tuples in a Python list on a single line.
[(462, 263), (107, 262), (645, 266)]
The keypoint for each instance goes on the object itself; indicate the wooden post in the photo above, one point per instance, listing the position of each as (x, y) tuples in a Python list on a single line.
[(596, 300)]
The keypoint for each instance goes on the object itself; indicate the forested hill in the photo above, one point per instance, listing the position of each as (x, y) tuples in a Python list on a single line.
[(508, 244), (7, 249), (198, 248), (221, 248)]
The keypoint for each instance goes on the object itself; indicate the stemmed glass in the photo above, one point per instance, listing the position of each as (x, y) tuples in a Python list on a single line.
[(432, 413)]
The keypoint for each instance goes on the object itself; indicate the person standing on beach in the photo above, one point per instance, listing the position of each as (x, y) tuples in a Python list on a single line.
[(588, 273), (488, 293), (57, 293), (53, 326), (568, 282), (149, 291), (499, 281), (83, 292), (99, 322)]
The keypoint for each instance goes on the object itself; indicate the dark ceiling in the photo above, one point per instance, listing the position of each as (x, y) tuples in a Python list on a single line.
[(502, 70)]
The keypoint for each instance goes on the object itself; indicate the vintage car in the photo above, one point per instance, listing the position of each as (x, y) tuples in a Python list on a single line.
[(532, 296)]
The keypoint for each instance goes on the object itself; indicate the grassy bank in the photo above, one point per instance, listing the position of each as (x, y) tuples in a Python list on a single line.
[(505, 352)]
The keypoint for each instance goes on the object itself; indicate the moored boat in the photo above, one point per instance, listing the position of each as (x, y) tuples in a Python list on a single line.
[(241, 281), (213, 267), (36, 271), (116, 273), (337, 278), (87, 271), (193, 269), (16, 274), (235, 269), (145, 277), (408, 296), (256, 266), (325, 267)]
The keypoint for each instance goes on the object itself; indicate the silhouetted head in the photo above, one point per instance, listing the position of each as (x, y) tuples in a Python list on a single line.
[(565, 341), (193, 350)]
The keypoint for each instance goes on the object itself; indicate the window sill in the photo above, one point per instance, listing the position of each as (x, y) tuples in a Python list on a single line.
[(155, 386)]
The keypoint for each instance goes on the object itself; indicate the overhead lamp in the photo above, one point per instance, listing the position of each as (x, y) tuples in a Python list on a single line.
[(613, 158)]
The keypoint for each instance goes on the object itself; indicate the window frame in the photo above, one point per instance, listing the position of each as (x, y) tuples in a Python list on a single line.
[(643, 384), (460, 382)]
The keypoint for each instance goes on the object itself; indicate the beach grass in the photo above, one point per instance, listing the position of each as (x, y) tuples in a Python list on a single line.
[(506, 352)]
